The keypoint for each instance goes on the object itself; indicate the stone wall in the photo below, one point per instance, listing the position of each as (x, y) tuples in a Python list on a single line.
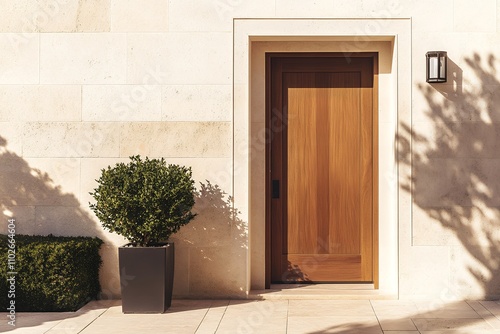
[(85, 84)]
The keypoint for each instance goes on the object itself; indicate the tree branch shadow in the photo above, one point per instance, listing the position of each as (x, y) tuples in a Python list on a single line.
[(398, 316), (41, 207), (453, 148)]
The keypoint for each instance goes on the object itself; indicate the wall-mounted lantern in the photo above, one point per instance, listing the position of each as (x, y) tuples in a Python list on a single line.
[(436, 66)]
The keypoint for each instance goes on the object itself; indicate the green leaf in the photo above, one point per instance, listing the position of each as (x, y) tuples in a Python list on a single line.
[(145, 200)]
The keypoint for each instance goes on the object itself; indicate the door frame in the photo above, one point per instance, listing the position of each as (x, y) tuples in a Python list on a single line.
[(375, 171)]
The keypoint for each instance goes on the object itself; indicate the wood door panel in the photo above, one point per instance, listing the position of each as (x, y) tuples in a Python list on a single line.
[(302, 164), (318, 267), (344, 181), (275, 121), (323, 159)]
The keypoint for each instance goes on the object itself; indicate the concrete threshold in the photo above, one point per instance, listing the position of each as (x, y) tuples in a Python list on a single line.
[(321, 291)]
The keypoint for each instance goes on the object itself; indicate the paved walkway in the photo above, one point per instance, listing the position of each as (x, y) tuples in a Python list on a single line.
[(271, 316)]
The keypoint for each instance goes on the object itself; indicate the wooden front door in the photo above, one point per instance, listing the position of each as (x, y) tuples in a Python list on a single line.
[(321, 168)]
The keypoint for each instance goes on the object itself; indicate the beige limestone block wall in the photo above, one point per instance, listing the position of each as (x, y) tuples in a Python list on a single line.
[(455, 160), (85, 84)]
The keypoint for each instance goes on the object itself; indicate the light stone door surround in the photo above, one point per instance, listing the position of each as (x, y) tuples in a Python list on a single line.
[(252, 38)]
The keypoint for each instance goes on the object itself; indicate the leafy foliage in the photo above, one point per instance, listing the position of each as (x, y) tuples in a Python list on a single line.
[(145, 201), (53, 273)]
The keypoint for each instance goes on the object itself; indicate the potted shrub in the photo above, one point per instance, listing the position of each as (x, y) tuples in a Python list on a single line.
[(145, 201)]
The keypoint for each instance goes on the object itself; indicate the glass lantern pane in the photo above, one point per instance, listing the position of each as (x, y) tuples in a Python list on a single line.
[(442, 67), (433, 67)]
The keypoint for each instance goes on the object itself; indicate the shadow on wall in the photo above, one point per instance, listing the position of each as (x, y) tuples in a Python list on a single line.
[(211, 251), (455, 155), (295, 275), (40, 207)]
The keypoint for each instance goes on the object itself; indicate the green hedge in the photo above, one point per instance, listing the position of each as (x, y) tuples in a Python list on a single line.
[(53, 273)]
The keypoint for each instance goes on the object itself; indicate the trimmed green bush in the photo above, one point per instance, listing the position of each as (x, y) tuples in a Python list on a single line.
[(53, 273), (145, 201)]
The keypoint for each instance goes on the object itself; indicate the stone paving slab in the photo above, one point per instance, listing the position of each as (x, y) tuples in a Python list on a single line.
[(270, 316)]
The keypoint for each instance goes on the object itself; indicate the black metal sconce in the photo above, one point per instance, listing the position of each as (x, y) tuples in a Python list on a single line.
[(436, 66)]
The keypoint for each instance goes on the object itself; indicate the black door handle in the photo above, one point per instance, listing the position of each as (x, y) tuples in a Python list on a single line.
[(275, 193)]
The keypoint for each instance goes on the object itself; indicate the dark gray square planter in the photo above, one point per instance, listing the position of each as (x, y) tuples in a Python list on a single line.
[(146, 278)]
